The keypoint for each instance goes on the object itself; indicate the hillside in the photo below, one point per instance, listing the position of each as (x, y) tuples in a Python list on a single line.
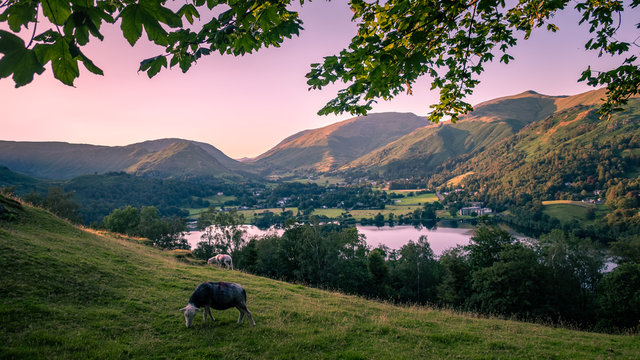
[(332, 146), (425, 148), (70, 293), (572, 155), (166, 158)]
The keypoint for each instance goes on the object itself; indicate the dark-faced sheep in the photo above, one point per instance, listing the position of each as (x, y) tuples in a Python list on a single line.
[(220, 296), (222, 259)]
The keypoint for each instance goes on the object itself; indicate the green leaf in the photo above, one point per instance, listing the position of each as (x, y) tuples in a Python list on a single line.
[(64, 59), (131, 26), (88, 64), (20, 14), (148, 13), (153, 65), (65, 69), (18, 61), (189, 12), (57, 11)]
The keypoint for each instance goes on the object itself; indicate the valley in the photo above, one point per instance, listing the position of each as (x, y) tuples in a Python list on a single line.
[(543, 166)]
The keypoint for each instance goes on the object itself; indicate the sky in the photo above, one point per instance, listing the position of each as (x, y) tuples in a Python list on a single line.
[(246, 105)]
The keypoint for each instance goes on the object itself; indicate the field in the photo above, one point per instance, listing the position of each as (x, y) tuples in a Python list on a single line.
[(567, 211), (71, 294), (249, 214), (455, 181), (567, 202), (419, 199), (404, 206)]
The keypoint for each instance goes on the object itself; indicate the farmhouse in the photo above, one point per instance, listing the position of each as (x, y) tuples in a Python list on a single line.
[(478, 210)]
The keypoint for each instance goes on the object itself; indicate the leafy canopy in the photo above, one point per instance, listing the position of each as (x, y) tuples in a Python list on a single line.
[(397, 42)]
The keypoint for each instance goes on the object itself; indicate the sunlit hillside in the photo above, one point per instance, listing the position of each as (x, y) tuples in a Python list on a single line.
[(424, 149), (67, 293), (329, 147)]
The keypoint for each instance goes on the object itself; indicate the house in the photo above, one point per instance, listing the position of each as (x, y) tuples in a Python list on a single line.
[(478, 210)]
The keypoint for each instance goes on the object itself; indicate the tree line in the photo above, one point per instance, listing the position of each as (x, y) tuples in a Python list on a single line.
[(558, 278)]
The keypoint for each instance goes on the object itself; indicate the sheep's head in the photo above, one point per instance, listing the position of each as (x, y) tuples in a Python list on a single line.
[(189, 314)]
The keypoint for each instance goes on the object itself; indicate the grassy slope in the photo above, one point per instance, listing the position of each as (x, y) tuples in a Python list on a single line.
[(566, 211), (66, 293), (336, 144), (489, 123)]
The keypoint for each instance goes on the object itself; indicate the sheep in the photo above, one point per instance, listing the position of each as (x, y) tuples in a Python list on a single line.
[(220, 296), (222, 259)]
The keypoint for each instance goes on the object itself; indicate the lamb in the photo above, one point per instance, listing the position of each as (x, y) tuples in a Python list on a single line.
[(222, 259), (220, 296)]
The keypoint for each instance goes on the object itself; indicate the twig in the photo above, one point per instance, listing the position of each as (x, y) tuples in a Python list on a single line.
[(35, 26)]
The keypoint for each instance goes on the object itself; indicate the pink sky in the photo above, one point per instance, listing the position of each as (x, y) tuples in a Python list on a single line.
[(246, 105)]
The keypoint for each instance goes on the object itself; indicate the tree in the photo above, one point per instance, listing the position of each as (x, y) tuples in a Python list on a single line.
[(485, 246), (627, 250), (619, 297), (379, 271), (165, 233), (417, 273), (397, 42), (456, 281), (124, 220), (515, 284), (223, 232), (62, 204), (172, 235), (150, 225), (575, 266)]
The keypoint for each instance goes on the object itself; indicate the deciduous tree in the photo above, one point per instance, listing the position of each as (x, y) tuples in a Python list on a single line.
[(397, 42)]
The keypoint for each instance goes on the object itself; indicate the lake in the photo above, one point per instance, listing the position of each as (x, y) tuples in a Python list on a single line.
[(440, 239)]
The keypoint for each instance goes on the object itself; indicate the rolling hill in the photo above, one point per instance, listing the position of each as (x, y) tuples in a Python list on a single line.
[(165, 158), (71, 293), (425, 148), (332, 146), (571, 155)]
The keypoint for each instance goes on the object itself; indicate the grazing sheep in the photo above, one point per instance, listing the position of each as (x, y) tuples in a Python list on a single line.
[(220, 296), (222, 259)]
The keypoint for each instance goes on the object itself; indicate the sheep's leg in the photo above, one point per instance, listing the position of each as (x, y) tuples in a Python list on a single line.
[(240, 317), (209, 312), (244, 311)]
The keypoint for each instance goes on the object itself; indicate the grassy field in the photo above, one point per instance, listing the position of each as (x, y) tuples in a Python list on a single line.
[(567, 202), (417, 199), (368, 213), (321, 180), (566, 210), (249, 214), (404, 206), (71, 294)]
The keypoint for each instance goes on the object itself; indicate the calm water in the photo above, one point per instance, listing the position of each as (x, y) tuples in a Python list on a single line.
[(440, 239)]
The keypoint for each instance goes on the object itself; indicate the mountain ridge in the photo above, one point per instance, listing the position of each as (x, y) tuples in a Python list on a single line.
[(62, 160), (328, 147)]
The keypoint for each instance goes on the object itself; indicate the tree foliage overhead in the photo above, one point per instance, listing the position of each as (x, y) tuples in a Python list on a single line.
[(397, 42)]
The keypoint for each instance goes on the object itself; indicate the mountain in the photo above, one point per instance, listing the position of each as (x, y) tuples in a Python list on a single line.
[(570, 155), (165, 158), (332, 146), (425, 148)]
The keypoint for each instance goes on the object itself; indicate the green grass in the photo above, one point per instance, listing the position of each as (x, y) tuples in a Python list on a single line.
[(220, 199), (250, 214), (566, 211), (70, 294), (320, 180), (567, 202), (367, 213), (417, 199)]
